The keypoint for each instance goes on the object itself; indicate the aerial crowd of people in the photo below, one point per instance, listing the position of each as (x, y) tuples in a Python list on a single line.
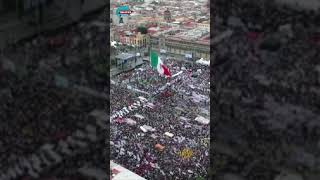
[(169, 142)]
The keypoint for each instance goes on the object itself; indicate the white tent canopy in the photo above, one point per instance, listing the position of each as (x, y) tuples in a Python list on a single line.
[(142, 98), (202, 120), (203, 62), (177, 74), (138, 116), (130, 121)]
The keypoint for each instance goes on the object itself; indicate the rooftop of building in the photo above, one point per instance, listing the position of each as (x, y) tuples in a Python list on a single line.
[(197, 34), (125, 56)]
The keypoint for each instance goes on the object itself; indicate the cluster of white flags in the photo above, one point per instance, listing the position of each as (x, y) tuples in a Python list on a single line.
[(202, 120), (203, 62)]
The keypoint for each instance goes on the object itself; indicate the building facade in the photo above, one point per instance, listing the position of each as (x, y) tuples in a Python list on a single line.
[(181, 48), (138, 40)]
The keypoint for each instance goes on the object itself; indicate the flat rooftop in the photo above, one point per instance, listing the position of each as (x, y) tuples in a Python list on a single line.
[(125, 56)]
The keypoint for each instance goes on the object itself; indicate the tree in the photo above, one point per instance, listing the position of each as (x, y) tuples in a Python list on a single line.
[(142, 30)]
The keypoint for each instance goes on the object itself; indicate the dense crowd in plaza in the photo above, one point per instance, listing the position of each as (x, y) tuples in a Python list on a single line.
[(267, 83), (35, 111), (172, 110)]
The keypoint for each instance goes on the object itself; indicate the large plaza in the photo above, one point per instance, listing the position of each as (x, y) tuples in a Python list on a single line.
[(164, 132)]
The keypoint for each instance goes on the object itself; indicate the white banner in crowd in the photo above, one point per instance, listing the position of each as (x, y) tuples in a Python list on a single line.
[(51, 154), (137, 90), (139, 116), (142, 101), (126, 110), (203, 62), (180, 72)]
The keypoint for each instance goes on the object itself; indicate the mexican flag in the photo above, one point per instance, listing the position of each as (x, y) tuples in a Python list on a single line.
[(156, 63)]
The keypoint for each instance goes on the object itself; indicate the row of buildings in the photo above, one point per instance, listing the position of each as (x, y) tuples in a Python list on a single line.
[(181, 48), (176, 35), (173, 45)]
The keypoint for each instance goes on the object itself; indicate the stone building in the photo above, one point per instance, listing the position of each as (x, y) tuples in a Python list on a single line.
[(181, 48), (136, 39)]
